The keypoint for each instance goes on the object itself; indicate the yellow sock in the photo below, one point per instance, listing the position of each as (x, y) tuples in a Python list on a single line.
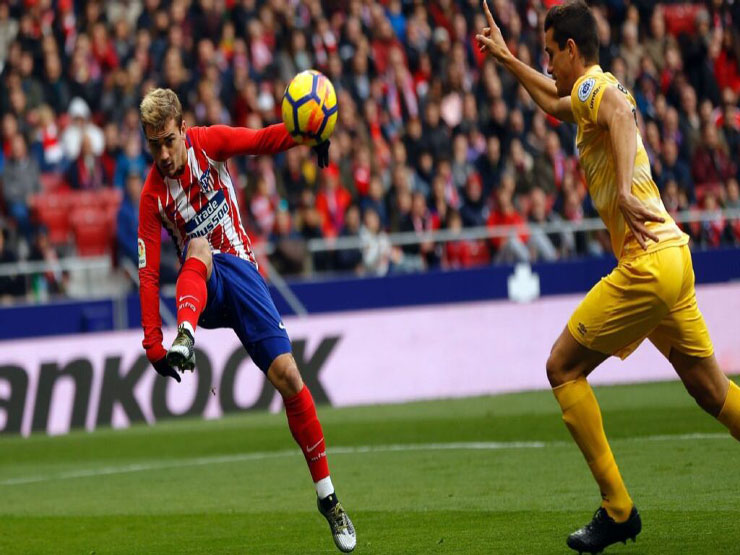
[(730, 413), (582, 416)]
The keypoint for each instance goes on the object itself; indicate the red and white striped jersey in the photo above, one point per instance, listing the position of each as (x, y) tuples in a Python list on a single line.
[(200, 202)]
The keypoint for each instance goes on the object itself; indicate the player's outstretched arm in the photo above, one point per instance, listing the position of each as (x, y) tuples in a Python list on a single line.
[(149, 244), (222, 142), (617, 114), (541, 88)]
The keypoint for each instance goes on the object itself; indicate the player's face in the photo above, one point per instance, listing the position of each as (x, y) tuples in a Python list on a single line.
[(167, 146), (559, 64)]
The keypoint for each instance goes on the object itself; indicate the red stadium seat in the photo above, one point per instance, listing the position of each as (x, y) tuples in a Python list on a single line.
[(52, 211), (110, 198), (52, 182), (93, 231), (86, 199)]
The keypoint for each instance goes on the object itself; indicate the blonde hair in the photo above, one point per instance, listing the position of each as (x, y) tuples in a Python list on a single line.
[(158, 107)]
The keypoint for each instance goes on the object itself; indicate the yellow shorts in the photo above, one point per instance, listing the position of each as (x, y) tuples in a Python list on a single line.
[(649, 296)]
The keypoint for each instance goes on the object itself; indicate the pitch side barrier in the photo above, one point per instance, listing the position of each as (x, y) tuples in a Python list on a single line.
[(392, 355), (342, 293)]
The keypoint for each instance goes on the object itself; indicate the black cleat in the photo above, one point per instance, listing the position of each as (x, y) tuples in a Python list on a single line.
[(182, 355), (602, 531)]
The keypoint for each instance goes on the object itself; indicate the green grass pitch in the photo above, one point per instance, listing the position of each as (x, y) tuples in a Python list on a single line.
[(484, 475)]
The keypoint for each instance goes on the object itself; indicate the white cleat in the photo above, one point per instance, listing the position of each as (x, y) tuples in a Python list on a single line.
[(342, 529), (182, 354)]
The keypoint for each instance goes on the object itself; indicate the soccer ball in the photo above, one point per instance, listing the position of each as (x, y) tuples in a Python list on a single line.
[(310, 107)]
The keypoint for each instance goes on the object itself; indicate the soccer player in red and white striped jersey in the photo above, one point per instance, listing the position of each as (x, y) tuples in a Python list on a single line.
[(190, 193)]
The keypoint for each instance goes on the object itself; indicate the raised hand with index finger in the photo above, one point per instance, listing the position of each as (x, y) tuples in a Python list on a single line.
[(490, 38)]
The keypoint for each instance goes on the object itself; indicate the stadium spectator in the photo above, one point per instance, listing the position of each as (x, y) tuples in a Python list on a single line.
[(512, 246), (462, 253), (377, 252), (10, 285), (289, 255), (418, 220), (20, 180), (131, 160), (543, 245), (474, 209), (53, 281), (375, 199), (51, 155), (332, 201), (672, 167), (461, 165), (656, 45), (490, 165), (8, 30), (80, 127), (712, 230), (86, 172), (732, 201), (127, 220), (350, 260), (56, 88), (263, 207), (711, 164), (549, 166), (417, 100)]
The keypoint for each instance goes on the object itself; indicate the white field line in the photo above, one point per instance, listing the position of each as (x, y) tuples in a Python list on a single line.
[(397, 448)]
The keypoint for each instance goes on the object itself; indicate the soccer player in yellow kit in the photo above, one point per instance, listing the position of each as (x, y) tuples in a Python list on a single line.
[(650, 294)]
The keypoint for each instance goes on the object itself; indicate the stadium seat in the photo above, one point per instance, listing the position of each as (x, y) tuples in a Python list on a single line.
[(93, 231), (52, 182), (110, 197), (86, 199), (52, 211)]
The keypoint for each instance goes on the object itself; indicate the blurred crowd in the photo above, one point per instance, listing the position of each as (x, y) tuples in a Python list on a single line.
[(431, 134)]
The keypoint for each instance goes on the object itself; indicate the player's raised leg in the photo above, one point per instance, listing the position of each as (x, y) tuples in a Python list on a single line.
[(191, 292), (711, 389), (617, 519), (306, 429)]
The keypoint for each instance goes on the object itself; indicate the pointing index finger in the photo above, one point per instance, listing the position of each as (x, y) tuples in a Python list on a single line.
[(489, 17)]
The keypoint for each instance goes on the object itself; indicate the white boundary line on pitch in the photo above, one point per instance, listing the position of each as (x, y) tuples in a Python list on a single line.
[(397, 448)]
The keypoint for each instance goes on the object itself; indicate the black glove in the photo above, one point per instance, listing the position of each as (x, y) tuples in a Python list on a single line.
[(164, 369), (322, 153)]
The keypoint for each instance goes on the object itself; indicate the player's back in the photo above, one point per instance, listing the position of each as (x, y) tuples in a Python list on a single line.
[(597, 160)]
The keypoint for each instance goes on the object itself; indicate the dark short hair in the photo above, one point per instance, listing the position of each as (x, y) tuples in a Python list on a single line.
[(574, 20)]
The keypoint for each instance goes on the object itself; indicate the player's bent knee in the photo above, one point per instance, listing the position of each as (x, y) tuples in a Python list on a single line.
[(554, 369), (706, 395), (284, 375), (200, 249)]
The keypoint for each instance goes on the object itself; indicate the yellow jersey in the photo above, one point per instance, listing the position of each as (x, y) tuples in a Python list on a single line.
[(597, 160)]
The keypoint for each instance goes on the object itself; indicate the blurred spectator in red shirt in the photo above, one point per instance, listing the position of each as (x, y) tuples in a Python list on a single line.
[(725, 52), (510, 247), (712, 230), (462, 253), (711, 165), (52, 158), (86, 172), (332, 201)]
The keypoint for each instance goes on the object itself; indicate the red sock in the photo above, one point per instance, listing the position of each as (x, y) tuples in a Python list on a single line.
[(306, 430), (191, 291)]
